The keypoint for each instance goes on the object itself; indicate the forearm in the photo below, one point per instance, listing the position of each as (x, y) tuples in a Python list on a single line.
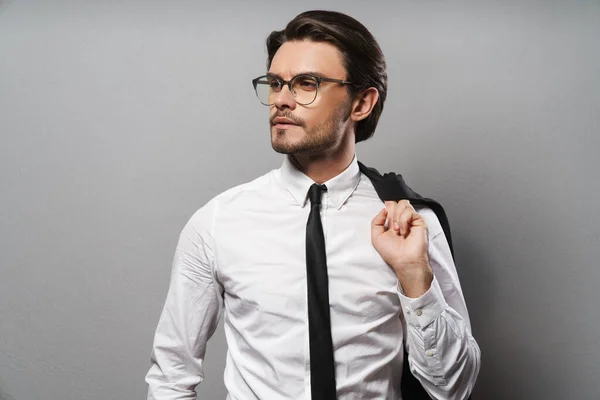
[(443, 355), (179, 348), (166, 381)]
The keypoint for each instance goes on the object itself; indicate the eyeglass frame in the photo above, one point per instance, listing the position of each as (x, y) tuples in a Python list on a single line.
[(283, 82)]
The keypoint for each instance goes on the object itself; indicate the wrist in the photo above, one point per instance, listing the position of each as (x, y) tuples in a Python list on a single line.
[(415, 281)]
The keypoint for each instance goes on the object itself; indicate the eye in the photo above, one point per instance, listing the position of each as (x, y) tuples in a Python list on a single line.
[(273, 83), (305, 83)]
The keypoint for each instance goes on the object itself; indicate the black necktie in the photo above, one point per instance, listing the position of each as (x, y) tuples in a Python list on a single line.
[(322, 369)]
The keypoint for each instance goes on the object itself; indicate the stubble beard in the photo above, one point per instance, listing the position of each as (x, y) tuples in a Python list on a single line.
[(319, 139)]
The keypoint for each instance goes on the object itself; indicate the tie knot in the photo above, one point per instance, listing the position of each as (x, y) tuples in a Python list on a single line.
[(314, 194)]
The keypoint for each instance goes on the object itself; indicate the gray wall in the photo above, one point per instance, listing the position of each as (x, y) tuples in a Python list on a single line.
[(116, 118)]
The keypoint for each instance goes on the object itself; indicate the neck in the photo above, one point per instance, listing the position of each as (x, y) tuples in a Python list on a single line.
[(324, 166)]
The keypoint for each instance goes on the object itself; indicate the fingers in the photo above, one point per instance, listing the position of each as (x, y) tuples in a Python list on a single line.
[(404, 220), (401, 216), (378, 223)]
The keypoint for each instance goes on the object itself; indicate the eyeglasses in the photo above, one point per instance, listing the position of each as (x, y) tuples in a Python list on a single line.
[(304, 87)]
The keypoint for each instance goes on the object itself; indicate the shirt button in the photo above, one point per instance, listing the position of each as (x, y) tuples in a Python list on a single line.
[(430, 353), (419, 313)]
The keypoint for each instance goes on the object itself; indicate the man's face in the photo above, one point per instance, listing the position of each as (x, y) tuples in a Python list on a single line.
[(321, 125)]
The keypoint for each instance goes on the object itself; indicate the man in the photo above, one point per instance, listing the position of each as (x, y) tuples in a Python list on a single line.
[(250, 254)]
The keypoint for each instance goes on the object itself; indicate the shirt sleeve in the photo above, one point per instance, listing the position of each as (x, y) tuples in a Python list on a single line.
[(190, 314), (442, 353)]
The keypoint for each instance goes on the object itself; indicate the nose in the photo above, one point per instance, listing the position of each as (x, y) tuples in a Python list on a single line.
[(285, 99)]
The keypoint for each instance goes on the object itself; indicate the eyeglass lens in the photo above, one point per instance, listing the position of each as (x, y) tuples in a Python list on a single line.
[(304, 89)]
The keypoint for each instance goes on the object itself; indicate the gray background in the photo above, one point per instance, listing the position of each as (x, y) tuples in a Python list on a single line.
[(119, 119)]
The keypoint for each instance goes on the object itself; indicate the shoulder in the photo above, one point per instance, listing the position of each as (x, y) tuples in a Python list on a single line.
[(244, 191), (205, 215), (433, 223)]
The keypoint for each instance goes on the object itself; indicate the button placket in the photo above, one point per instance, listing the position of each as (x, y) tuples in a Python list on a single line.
[(325, 204)]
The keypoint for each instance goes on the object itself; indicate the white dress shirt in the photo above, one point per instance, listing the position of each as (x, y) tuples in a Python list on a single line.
[(242, 255)]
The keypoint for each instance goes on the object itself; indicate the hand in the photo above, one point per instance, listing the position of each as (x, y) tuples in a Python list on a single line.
[(399, 234)]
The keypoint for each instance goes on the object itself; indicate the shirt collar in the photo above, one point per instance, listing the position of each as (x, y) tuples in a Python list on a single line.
[(339, 188)]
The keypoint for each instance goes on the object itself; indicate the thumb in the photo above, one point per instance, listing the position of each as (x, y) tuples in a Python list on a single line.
[(377, 224)]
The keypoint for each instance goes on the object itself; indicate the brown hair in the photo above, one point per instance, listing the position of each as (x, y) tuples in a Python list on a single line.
[(363, 58)]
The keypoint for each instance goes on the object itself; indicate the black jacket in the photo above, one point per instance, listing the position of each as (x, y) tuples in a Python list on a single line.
[(392, 187)]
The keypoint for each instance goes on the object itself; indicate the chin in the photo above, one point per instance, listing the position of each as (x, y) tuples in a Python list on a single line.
[(282, 146), (291, 141)]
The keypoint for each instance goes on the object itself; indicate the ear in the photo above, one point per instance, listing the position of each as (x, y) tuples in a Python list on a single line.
[(363, 104)]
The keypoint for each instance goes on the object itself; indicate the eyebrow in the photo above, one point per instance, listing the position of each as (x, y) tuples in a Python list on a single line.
[(313, 73)]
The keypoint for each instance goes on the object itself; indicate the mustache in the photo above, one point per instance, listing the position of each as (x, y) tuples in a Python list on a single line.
[(287, 115)]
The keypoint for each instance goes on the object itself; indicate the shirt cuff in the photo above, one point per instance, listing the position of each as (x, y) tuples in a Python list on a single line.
[(422, 311)]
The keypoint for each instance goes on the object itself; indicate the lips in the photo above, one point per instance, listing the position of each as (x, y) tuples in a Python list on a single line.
[(283, 121)]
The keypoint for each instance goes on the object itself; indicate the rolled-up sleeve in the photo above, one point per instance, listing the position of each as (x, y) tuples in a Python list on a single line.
[(442, 353), (190, 314)]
